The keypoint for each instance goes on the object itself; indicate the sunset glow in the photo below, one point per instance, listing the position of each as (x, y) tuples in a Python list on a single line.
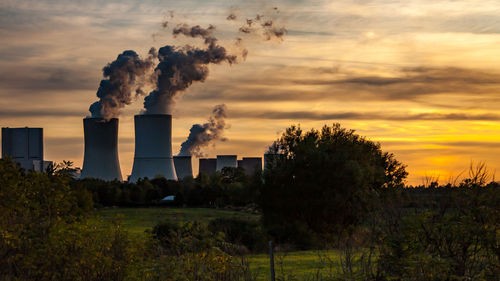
[(420, 77)]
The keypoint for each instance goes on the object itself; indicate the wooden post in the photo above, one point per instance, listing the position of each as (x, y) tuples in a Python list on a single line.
[(271, 258)]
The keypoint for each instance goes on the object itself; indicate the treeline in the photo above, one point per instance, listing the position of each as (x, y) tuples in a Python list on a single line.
[(229, 187)]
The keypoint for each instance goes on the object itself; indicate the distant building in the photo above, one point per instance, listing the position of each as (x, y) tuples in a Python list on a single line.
[(25, 146), (250, 164), (224, 161), (207, 165)]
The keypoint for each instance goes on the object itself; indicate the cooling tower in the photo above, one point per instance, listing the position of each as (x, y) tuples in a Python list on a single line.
[(183, 166), (100, 159), (251, 164), (207, 165), (224, 161), (153, 147)]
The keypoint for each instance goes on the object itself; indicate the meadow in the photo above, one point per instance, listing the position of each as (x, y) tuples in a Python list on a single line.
[(138, 220), (296, 265)]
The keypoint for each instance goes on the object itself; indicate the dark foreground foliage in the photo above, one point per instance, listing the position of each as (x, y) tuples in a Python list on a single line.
[(47, 233)]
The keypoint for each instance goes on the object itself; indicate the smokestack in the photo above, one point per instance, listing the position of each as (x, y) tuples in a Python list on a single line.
[(224, 161), (101, 149), (207, 166), (153, 147), (183, 167)]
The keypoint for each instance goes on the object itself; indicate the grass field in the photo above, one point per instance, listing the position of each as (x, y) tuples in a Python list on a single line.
[(301, 265), (138, 220)]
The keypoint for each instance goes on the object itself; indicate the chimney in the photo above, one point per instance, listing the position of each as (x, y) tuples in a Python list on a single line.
[(100, 159), (153, 147)]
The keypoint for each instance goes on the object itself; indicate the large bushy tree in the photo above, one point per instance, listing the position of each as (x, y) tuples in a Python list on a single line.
[(323, 182)]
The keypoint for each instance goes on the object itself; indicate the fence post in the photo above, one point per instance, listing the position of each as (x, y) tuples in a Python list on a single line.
[(271, 258)]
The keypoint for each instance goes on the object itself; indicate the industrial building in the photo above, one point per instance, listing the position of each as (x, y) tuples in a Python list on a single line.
[(100, 158), (25, 146), (183, 166), (153, 147), (207, 165), (251, 165), (224, 161)]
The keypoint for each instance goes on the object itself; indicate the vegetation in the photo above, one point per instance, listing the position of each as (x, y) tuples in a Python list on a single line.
[(229, 187), (138, 220), (323, 183), (331, 192)]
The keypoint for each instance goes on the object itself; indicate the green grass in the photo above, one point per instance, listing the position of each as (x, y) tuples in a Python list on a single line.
[(302, 265), (292, 266), (138, 220)]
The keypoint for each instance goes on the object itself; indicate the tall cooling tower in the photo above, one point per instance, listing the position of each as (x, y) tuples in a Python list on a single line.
[(183, 166), (224, 161), (100, 159), (153, 147)]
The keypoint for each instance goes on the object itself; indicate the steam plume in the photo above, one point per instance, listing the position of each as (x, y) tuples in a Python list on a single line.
[(267, 27), (179, 67), (122, 77), (202, 135)]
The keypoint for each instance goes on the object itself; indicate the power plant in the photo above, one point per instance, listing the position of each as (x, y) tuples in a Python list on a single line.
[(250, 164), (25, 146), (153, 151), (100, 158), (153, 147), (183, 166), (207, 166), (224, 161)]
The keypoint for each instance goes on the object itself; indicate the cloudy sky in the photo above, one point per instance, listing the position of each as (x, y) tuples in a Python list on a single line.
[(422, 77)]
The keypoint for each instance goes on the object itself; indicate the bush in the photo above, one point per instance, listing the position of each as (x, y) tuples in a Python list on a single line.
[(241, 232), (44, 233), (187, 237), (458, 240)]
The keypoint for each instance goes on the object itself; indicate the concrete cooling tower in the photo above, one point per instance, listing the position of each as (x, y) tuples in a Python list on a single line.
[(251, 164), (183, 166), (207, 165), (100, 159), (153, 147), (224, 161)]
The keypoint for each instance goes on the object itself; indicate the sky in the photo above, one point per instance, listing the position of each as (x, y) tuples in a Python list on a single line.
[(422, 77)]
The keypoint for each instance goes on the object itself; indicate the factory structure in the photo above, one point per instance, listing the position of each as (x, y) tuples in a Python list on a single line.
[(100, 158), (153, 152), (25, 146)]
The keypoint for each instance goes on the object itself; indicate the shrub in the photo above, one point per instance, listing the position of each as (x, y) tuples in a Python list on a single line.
[(240, 231), (184, 237)]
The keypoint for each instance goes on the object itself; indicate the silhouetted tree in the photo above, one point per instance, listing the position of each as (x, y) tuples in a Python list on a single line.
[(323, 182)]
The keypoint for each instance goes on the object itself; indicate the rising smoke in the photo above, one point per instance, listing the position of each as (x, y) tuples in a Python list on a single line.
[(263, 25), (122, 77), (202, 135), (179, 67)]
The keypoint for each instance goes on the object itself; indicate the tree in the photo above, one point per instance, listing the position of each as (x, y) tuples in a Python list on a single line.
[(323, 182)]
